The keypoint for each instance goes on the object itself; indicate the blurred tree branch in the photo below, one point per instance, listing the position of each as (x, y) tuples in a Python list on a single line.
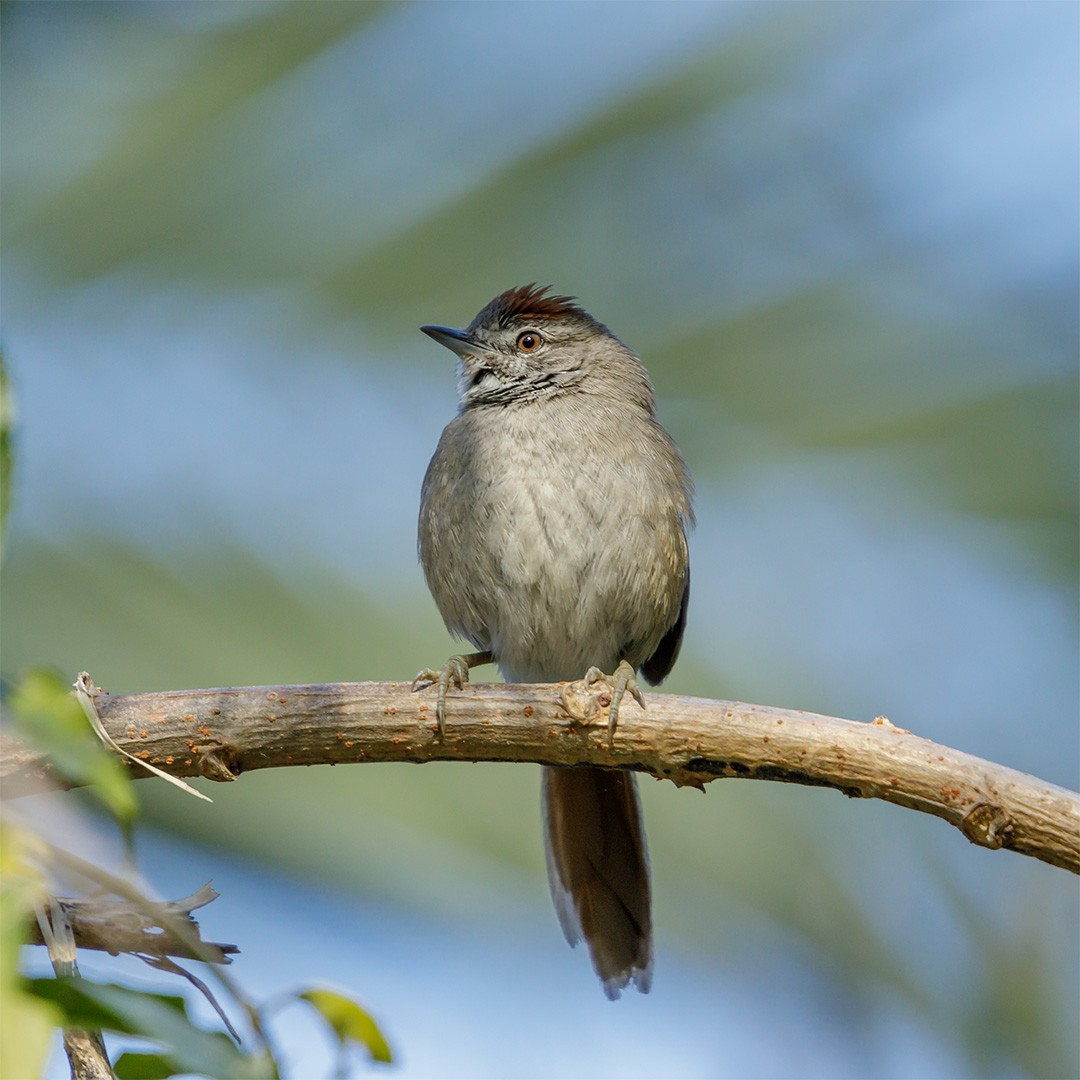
[(219, 734), (118, 926)]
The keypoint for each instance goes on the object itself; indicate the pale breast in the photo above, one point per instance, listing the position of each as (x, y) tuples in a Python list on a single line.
[(560, 550)]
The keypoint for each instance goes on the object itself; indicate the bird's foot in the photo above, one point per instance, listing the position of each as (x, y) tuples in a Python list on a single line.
[(455, 671), (623, 679)]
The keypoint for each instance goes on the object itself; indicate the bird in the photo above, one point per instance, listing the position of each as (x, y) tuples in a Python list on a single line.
[(552, 532)]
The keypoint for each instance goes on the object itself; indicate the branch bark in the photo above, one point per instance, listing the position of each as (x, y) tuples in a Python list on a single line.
[(117, 926), (222, 733), (85, 1048)]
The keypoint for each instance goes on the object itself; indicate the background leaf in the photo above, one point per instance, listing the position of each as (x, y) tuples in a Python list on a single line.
[(349, 1022), (21, 889), (162, 1018), (48, 715), (131, 1066), (7, 423)]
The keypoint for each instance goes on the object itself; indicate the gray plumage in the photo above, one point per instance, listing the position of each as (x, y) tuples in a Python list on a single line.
[(553, 535)]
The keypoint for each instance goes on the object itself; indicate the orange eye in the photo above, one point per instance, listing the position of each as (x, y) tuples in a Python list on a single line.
[(529, 341)]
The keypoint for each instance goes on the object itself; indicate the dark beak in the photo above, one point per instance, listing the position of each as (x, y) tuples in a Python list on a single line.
[(455, 340)]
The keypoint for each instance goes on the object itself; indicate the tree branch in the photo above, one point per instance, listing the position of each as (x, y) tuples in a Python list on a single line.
[(118, 926), (222, 733)]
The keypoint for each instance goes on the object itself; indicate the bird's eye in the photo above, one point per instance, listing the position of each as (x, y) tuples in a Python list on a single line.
[(529, 341)]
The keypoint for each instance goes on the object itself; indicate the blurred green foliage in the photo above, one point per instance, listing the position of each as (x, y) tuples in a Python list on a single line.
[(350, 1024), (843, 237), (161, 1018), (22, 887), (44, 713), (7, 420)]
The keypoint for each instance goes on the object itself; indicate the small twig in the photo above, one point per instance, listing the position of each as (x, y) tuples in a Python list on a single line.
[(87, 694), (86, 1054), (163, 963), (85, 1048), (179, 926), (118, 926), (690, 741)]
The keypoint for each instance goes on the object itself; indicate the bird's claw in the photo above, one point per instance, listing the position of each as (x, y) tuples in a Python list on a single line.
[(624, 678), (455, 671)]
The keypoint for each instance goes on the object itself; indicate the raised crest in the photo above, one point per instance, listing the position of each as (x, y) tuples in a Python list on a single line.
[(527, 302)]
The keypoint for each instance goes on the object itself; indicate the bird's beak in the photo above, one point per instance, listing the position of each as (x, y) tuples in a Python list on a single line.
[(455, 340)]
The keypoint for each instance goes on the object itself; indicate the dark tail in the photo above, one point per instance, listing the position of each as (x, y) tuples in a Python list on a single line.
[(598, 870)]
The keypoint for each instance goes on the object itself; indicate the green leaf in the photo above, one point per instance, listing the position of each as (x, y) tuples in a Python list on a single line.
[(349, 1022), (49, 717), (143, 1067), (21, 887), (160, 1017), (7, 422)]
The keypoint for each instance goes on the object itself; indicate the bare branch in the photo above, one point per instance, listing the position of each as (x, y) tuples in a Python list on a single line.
[(222, 733), (175, 919), (85, 1048), (118, 926), (87, 1056)]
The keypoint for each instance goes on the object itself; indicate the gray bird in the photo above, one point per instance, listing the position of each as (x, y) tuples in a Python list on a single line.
[(552, 533)]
